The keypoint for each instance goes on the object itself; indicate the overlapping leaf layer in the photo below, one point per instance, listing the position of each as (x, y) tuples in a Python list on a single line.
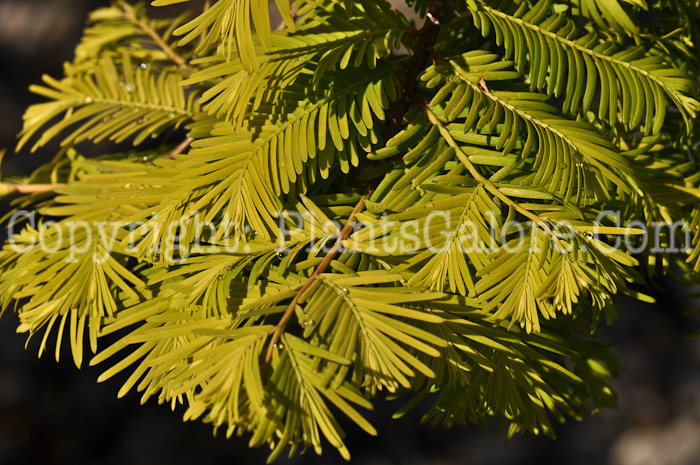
[(360, 206)]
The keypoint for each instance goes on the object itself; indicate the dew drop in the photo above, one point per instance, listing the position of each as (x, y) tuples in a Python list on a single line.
[(145, 158), (88, 99), (344, 290), (143, 66)]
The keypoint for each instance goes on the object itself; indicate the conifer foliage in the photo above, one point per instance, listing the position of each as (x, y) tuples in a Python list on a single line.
[(353, 204)]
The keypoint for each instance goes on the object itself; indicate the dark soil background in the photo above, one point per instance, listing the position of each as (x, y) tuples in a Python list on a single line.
[(54, 414)]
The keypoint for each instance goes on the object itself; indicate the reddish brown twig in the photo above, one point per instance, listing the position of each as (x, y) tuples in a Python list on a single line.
[(282, 25), (29, 188), (184, 145), (344, 234)]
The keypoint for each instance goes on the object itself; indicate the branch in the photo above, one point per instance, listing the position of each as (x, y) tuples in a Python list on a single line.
[(184, 145), (282, 25), (27, 188), (344, 234), (427, 36)]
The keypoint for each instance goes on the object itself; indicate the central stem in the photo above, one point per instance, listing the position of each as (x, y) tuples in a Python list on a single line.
[(427, 36), (426, 39), (344, 234)]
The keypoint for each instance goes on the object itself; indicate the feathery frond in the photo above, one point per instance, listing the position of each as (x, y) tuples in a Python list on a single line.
[(634, 85), (359, 207), (228, 22), (331, 38), (109, 103)]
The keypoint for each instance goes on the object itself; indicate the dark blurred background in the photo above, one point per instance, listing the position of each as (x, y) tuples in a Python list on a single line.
[(54, 414)]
